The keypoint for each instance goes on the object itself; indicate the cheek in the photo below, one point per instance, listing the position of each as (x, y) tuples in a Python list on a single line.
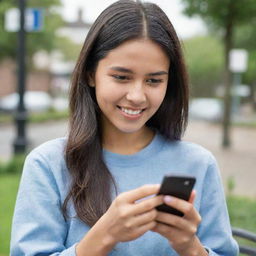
[(105, 95), (158, 98)]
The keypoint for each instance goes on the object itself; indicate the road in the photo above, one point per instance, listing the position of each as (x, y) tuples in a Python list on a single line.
[(238, 163)]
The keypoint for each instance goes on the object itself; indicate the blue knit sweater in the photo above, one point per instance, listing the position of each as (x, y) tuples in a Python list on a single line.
[(39, 227)]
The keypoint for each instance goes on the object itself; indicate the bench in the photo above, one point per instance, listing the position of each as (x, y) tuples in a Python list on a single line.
[(247, 236)]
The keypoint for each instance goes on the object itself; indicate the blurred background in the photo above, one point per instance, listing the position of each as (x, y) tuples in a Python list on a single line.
[(36, 64)]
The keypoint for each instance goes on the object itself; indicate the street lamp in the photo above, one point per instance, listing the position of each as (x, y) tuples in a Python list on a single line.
[(20, 142)]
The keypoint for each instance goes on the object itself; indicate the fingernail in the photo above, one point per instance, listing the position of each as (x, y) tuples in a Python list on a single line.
[(168, 199)]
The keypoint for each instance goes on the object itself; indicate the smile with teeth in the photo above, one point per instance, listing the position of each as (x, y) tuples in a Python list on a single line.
[(131, 112)]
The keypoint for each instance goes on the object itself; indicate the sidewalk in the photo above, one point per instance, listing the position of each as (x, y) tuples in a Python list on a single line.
[(36, 134), (238, 162)]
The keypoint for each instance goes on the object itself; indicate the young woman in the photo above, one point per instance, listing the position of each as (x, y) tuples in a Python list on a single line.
[(95, 192)]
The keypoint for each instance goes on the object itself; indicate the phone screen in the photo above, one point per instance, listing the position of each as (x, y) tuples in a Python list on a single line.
[(177, 186)]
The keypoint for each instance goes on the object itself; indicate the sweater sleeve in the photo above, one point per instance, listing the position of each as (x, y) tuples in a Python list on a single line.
[(215, 231), (39, 227)]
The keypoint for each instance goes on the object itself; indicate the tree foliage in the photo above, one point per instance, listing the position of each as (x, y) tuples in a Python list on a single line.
[(68, 48), (223, 17), (8, 41), (217, 13), (205, 64), (44, 39), (245, 37), (239, 14)]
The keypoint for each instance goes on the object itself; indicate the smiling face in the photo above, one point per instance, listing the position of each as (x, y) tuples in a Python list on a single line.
[(130, 85)]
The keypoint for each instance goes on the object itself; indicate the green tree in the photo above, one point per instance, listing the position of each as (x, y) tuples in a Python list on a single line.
[(44, 39), (68, 48), (223, 16), (204, 60)]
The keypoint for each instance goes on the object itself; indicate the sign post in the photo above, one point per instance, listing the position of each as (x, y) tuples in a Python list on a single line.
[(22, 20), (237, 65), (20, 142)]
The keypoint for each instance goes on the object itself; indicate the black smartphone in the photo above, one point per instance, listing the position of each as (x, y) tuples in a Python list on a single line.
[(177, 186)]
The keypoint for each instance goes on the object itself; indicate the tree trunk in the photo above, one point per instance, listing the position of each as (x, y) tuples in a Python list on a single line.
[(228, 42), (253, 96)]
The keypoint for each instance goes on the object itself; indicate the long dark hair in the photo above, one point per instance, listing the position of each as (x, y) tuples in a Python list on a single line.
[(92, 183)]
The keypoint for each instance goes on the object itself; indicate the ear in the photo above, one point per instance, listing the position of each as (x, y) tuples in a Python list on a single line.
[(91, 79)]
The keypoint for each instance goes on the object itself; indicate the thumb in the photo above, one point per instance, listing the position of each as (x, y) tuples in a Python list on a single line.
[(192, 197)]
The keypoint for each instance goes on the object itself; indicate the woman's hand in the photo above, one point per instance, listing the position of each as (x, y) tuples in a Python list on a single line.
[(181, 231), (129, 216)]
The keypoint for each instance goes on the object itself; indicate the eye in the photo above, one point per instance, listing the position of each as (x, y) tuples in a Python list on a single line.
[(121, 78), (154, 81)]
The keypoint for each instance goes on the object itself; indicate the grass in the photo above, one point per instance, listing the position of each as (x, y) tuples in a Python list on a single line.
[(242, 215), (241, 209), (52, 114), (242, 212), (12, 166), (37, 117), (8, 189), (47, 116), (251, 124)]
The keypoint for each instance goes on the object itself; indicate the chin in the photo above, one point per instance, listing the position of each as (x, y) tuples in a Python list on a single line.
[(129, 130)]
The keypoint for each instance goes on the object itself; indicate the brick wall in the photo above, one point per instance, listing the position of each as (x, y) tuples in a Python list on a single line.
[(36, 80), (7, 77)]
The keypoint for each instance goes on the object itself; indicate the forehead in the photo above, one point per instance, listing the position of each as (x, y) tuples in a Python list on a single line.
[(137, 54)]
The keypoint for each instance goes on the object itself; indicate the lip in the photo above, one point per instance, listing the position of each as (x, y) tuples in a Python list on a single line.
[(131, 108), (131, 117)]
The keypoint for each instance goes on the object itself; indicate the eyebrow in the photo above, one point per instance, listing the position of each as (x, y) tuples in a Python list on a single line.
[(126, 70)]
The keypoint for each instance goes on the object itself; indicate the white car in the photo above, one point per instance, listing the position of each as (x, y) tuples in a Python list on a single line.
[(35, 101), (208, 109)]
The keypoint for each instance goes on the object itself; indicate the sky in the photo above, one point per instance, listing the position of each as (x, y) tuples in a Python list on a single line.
[(185, 27)]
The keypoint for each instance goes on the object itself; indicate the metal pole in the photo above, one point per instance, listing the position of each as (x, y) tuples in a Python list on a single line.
[(236, 98), (20, 142)]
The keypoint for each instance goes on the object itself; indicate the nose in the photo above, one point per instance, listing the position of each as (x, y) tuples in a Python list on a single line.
[(136, 94)]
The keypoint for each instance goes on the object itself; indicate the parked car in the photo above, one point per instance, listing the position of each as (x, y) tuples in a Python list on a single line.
[(35, 101), (207, 109)]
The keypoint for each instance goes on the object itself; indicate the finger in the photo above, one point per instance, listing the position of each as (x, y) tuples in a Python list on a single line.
[(164, 229), (144, 228), (172, 220), (148, 204), (141, 192), (186, 207), (175, 221), (143, 219), (192, 197)]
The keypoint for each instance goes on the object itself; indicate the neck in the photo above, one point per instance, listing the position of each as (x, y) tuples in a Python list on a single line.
[(127, 143)]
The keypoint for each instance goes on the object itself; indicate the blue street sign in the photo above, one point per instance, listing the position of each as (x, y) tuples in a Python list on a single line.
[(34, 19)]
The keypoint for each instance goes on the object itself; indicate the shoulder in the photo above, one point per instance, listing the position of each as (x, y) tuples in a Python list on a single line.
[(46, 166), (188, 151), (195, 150), (52, 149), (48, 156)]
